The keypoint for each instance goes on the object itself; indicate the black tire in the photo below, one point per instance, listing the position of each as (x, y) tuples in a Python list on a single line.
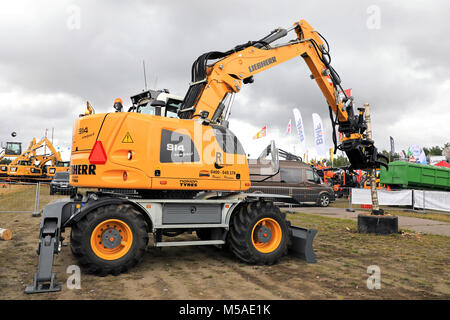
[(241, 227), (324, 200), (80, 240)]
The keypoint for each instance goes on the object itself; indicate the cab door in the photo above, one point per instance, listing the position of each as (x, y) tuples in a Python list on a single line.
[(312, 185), (291, 179)]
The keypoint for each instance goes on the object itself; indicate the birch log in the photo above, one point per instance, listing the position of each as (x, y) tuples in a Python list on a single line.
[(372, 174), (5, 234)]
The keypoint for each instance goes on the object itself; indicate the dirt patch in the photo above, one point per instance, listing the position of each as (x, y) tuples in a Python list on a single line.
[(411, 267), (9, 188)]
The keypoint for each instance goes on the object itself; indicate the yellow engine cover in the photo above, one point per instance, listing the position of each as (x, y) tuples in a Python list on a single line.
[(152, 152)]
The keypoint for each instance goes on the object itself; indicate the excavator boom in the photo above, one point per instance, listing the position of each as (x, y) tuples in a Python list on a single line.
[(212, 85)]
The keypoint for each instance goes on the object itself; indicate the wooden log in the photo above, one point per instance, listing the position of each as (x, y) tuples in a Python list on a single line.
[(372, 173), (5, 234)]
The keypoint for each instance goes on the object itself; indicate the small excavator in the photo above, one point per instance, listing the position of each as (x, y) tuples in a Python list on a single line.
[(188, 171), (30, 166)]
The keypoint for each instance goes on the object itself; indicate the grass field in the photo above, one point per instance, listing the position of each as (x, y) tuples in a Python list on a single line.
[(413, 266)]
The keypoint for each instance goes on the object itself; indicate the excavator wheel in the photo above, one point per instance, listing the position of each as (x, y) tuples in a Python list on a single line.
[(109, 240), (259, 233)]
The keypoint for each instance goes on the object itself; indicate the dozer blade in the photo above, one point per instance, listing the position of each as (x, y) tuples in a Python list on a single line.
[(301, 244)]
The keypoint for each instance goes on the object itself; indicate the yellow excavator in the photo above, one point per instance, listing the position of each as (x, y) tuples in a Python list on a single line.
[(30, 166), (170, 165)]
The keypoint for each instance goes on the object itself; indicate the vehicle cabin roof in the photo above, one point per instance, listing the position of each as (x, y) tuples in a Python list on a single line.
[(255, 165)]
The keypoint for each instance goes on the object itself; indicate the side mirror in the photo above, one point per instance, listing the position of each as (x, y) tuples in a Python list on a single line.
[(158, 103)]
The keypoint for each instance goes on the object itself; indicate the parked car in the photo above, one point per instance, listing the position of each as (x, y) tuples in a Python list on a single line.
[(294, 178), (60, 184)]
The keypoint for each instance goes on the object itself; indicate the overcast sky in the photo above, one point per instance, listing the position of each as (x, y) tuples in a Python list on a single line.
[(56, 55)]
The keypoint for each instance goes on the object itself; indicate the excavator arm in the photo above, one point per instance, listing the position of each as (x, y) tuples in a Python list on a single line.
[(214, 85), (27, 154), (30, 153)]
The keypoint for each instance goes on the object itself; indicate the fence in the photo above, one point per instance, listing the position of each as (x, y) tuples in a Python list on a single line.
[(423, 199), (435, 200), (20, 197)]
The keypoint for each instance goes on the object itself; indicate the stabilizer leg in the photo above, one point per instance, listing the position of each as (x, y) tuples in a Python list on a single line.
[(54, 216), (44, 279)]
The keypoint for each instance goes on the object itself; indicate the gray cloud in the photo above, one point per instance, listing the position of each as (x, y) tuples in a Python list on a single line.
[(399, 68)]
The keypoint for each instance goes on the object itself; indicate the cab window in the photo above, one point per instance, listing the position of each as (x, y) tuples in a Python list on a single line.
[(290, 175), (312, 176), (172, 108), (13, 148), (148, 109)]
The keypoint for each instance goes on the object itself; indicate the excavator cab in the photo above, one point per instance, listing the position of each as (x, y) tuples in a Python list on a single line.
[(167, 109), (157, 102), (12, 149)]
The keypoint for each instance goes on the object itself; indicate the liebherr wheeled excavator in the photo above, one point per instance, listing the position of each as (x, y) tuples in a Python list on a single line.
[(187, 170)]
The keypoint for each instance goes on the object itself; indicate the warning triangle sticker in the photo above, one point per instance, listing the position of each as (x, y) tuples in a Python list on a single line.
[(127, 138)]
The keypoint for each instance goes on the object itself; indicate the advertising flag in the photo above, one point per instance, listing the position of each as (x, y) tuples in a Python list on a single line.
[(348, 92), (417, 153), (331, 155), (392, 147), (344, 93), (300, 130), (261, 133), (288, 129), (319, 137)]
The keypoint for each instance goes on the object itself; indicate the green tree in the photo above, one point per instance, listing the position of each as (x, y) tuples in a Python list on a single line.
[(433, 151), (385, 153), (340, 161)]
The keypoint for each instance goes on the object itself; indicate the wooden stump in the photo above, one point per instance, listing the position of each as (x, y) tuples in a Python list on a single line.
[(5, 234)]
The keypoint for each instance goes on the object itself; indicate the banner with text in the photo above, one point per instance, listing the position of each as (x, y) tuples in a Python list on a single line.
[(319, 136), (300, 130)]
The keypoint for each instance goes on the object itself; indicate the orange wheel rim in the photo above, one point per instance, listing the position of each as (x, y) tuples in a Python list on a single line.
[(266, 235), (111, 239)]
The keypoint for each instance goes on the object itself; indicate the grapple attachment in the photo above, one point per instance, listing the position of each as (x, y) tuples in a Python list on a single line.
[(363, 155)]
